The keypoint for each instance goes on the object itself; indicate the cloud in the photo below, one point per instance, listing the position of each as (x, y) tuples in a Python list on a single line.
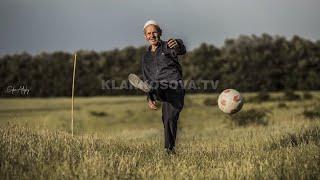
[(37, 25)]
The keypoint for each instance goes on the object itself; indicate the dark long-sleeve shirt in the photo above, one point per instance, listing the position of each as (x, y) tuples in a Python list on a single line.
[(162, 65)]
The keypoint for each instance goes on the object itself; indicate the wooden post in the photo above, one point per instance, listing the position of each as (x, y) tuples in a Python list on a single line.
[(73, 77)]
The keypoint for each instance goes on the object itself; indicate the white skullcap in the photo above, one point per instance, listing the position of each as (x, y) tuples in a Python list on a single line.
[(149, 23)]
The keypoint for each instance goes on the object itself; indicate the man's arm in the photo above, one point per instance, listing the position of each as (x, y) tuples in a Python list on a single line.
[(181, 50), (144, 78), (150, 96)]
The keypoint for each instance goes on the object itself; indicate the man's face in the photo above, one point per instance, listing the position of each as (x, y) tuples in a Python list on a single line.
[(152, 35)]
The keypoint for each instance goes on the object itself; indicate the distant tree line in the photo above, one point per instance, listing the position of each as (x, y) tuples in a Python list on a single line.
[(247, 63)]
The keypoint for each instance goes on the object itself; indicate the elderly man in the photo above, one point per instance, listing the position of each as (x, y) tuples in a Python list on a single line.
[(162, 76)]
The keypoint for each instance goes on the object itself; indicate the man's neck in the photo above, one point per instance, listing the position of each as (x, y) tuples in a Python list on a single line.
[(154, 47)]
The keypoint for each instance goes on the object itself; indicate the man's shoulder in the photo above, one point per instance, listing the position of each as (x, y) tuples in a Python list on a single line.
[(145, 55), (163, 43)]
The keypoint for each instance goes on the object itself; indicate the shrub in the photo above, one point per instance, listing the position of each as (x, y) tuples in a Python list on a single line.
[(252, 116), (307, 95), (296, 139), (263, 96), (260, 97), (312, 113), (210, 102), (98, 114), (282, 105), (290, 95)]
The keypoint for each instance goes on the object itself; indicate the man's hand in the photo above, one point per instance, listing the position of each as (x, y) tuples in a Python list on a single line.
[(152, 104), (172, 43)]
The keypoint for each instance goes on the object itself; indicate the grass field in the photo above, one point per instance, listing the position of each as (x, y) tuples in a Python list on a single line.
[(119, 137)]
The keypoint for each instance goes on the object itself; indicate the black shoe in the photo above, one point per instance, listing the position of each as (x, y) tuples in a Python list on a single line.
[(169, 151), (138, 83)]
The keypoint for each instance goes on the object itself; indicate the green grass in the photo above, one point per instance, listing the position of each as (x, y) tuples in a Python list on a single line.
[(119, 137)]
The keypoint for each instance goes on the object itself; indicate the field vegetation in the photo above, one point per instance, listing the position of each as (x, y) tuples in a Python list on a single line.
[(273, 137)]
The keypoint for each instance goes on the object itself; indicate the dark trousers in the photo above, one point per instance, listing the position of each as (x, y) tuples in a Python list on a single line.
[(172, 105)]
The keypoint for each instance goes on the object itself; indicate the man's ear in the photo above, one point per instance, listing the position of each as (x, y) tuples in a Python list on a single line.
[(145, 37), (160, 32)]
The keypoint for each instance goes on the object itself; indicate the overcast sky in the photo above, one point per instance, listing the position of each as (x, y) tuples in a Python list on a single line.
[(50, 25)]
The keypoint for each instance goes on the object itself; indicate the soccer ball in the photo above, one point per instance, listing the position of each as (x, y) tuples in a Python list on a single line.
[(230, 101)]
